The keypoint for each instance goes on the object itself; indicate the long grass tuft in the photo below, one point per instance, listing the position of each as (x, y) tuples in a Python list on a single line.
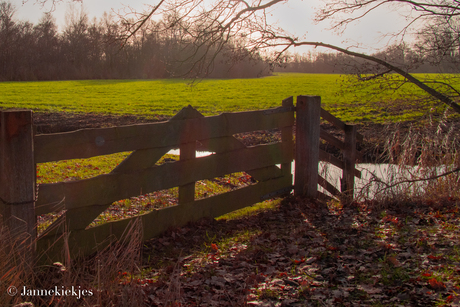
[(424, 163), (108, 276)]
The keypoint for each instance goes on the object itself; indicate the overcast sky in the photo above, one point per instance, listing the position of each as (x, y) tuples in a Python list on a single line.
[(296, 16)]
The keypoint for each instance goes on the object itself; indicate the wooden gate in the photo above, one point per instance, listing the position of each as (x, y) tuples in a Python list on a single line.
[(84, 200)]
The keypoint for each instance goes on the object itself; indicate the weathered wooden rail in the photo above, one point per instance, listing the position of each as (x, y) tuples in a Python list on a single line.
[(84, 200)]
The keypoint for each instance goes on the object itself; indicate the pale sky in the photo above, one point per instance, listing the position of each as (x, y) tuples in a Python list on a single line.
[(296, 16)]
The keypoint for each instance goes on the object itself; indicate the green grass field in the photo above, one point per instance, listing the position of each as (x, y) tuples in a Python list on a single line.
[(149, 98), (278, 250)]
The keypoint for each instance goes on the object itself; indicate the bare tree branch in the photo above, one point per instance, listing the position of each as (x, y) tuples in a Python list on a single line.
[(389, 186), (367, 78), (141, 22), (230, 23), (438, 95)]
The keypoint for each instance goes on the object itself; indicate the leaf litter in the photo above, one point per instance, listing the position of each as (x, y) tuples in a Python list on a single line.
[(310, 254)]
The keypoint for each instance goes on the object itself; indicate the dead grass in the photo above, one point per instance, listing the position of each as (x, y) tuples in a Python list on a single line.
[(424, 164), (93, 281), (13, 269)]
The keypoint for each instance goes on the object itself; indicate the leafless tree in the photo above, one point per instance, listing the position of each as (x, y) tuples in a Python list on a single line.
[(342, 13), (51, 3), (209, 29)]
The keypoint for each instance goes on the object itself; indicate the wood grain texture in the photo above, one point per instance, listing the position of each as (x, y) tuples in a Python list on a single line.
[(287, 138), (108, 188), (230, 143), (17, 179), (331, 139), (338, 123), (85, 242), (85, 199), (308, 110), (187, 191), (327, 157), (87, 143), (328, 187), (349, 159), (187, 152)]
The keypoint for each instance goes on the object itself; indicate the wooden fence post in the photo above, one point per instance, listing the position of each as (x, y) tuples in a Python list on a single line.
[(308, 113), (187, 149), (349, 159), (17, 180), (286, 138), (187, 192)]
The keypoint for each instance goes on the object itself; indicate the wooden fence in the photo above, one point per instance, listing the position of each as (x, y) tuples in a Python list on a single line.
[(83, 200)]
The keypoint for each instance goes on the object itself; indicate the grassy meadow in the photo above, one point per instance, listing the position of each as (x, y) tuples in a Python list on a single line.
[(165, 97), (151, 98), (397, 250)]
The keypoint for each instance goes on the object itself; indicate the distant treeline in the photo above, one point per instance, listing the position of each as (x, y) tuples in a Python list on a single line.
[(412, 59), (98, 49)]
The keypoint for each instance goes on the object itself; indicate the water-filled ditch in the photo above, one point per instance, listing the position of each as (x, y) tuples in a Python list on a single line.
[(375, 178)]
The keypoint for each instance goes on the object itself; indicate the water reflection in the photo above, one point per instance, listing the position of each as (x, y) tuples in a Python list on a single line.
[(375, 178)]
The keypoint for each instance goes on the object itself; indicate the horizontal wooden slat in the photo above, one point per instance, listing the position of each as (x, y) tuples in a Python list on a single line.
[(331, 139), (336, 142), (108, 188), (327, 157), (223, 144), (85, 242), (327, 186), (266, 173), (220, 144), (260, 174), (49, 207), (338, 123), (357, 173), (324, 197), (280, 109), (86, 143), (332, 119), (212, 207)]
